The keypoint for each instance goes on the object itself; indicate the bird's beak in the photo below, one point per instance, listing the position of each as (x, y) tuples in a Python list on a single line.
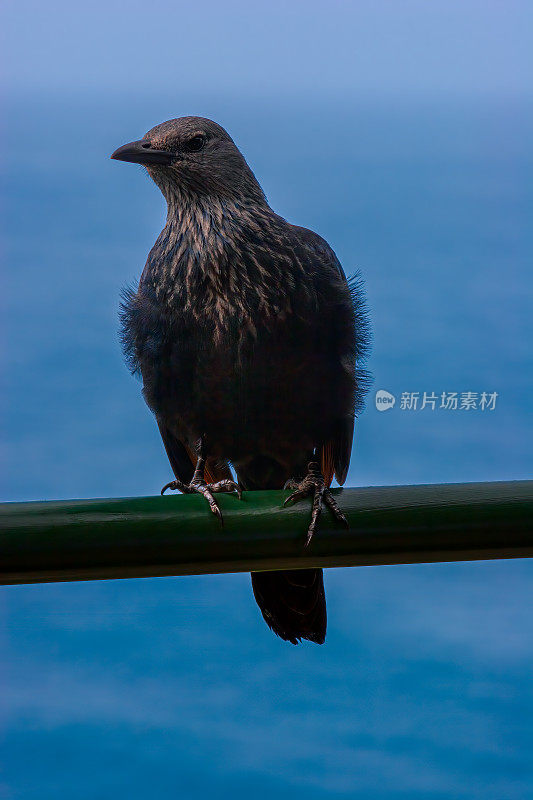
[(141, 152)]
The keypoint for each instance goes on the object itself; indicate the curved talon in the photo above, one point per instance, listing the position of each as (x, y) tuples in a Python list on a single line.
[(171, 485), (294, 496), (226, 486), (310, 534), (291, 483), (212, 502), (334, 508), (316, 512)]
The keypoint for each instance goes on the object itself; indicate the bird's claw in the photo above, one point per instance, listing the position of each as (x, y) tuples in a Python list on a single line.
[(226, 486), (292, 483), (170, 485), (313, 484), (331, 503), (207, 490)]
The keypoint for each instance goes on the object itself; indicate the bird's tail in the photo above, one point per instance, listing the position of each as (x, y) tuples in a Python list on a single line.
[(293, 603)]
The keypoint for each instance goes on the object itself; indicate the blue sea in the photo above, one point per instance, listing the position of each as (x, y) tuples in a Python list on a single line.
[(174, 687)]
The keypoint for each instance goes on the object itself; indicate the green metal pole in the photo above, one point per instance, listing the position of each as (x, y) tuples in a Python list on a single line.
[(150, 536)]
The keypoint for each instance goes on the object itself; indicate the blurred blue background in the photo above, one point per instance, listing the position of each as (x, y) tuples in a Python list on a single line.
[(401, 132)]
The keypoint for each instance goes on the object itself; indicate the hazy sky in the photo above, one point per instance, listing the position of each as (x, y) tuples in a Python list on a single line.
[(366, 46)]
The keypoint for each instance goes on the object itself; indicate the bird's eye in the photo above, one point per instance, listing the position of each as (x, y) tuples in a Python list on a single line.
[(195, 144)]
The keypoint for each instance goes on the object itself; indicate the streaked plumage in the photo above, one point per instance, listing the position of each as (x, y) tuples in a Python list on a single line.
[(248, 336)]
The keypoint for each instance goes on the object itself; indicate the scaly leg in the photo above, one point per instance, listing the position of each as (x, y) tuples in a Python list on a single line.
[(313, 484)]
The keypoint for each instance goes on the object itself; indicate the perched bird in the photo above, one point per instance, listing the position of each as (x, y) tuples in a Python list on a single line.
[(248, 337)]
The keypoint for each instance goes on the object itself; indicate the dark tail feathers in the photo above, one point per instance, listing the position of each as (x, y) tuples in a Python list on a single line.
[(293, 603)]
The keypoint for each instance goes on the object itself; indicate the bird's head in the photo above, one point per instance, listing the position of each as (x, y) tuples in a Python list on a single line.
[(193, 155)]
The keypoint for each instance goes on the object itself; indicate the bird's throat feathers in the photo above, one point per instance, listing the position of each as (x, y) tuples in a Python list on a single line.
[(223, 260)]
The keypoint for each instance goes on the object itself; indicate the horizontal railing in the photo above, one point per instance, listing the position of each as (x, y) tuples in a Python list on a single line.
[(153, 536)]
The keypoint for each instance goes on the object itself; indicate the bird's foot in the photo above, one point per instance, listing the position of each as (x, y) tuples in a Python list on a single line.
[(313, 484), (207, 489)]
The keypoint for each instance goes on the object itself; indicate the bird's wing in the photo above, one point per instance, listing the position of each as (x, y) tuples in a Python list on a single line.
[(182, 460), (337, 452), (335, 456)]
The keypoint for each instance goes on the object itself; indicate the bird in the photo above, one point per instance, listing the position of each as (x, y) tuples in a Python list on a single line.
[(249, 340)]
